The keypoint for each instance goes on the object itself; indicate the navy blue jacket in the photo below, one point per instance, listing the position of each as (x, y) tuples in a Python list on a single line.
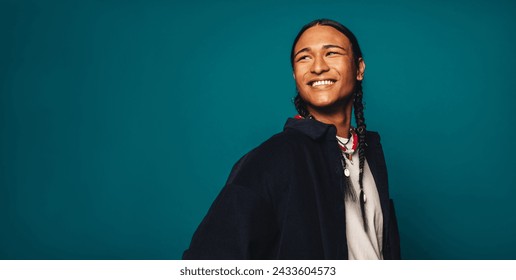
[(285, 200)]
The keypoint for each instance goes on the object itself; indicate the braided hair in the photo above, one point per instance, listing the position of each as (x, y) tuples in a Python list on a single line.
[(358, 106)]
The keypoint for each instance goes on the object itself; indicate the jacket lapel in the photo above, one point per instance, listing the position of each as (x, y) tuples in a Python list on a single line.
[(377, 165)]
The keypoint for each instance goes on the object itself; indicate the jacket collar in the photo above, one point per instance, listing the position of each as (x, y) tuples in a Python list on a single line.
[(317, 130), (314, 129)]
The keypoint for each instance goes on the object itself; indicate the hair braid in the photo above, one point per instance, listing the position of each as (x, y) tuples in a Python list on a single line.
[(300, 105), (361, 131)]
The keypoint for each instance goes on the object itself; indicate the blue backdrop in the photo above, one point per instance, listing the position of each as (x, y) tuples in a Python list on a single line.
[(120, 120)]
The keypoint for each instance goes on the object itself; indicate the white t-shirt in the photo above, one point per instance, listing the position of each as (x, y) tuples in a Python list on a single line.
[(363, 245)]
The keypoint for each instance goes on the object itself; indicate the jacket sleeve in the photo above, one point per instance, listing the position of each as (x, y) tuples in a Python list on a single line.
[(238, 225)]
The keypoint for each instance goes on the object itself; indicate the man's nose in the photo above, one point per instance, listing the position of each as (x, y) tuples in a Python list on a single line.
[(319, 66)]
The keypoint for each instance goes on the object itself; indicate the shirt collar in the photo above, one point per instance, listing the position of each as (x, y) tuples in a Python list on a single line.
[(313, 128)]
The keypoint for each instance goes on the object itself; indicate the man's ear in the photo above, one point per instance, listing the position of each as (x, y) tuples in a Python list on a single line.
[(360, 69)]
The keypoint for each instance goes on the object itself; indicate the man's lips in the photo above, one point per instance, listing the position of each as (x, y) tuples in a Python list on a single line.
[(315, 83)]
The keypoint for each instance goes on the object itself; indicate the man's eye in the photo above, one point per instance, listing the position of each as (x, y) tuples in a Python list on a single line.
[(304, 57), (332, 53)]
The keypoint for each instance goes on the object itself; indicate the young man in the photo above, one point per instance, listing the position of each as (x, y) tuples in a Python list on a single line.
[(317, 190)]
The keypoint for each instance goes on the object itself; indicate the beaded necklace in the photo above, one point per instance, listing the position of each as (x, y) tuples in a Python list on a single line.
[(350, 190)]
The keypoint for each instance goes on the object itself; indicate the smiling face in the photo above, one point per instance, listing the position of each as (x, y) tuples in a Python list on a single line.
[(324, 69)]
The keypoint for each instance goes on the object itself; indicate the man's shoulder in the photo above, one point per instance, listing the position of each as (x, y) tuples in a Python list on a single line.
[(283, 142), (373, 134), (373, 138), (268, 160), (279, 148)]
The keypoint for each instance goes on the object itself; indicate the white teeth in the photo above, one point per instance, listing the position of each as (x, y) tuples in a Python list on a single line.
[(323, 82)]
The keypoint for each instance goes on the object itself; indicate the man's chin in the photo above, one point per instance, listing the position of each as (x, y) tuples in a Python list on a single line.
[(328, 106), (325, 108)]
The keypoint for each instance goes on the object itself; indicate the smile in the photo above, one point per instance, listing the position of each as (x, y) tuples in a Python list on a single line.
[(321, 83)]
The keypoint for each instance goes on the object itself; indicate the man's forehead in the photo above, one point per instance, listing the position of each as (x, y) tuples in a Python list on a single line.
[(320, 36)]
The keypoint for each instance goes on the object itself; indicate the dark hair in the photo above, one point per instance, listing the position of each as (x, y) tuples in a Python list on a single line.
[(358, 106)]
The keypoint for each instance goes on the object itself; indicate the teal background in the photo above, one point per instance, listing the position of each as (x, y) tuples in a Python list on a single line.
[(120, 120)]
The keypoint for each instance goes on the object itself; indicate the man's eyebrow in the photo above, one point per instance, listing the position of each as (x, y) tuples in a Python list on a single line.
[(302, 50), (324, 47), (334, 46)]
